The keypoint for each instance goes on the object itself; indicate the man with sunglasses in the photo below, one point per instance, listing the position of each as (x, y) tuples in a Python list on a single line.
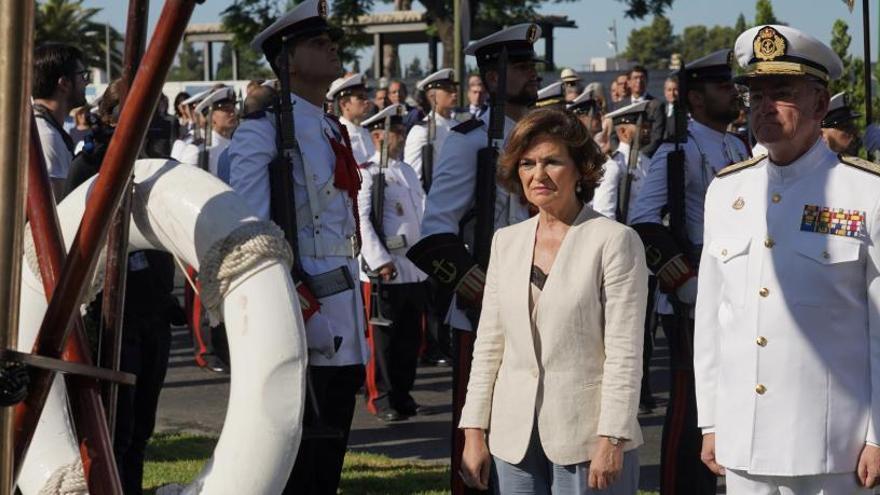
[(59, 85), (787, 321)]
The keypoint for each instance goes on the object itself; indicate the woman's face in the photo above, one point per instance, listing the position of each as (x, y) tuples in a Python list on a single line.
[(548, 174)]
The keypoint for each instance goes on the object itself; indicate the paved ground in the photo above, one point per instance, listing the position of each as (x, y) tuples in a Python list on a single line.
[(195, 401)]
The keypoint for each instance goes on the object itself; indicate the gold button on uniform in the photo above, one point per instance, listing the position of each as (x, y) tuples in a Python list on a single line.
[(764, 292), (768, 242), (761, 341), (825, 255), (776, 197), (723, 252), (760, 389)]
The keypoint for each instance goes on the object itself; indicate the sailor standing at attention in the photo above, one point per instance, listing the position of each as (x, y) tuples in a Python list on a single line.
[(302, 48)]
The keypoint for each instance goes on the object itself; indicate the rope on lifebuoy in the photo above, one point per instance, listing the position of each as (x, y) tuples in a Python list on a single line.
[(243, 249), (67, 480)]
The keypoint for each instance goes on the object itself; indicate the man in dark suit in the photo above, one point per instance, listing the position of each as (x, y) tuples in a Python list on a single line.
[(663, 126)]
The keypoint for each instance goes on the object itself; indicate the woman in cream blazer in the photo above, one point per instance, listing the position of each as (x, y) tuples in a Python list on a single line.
[(554, 384)]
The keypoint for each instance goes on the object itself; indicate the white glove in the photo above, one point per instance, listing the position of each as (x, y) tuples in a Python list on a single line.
[(872, 138), (687, 293), (320, 336)]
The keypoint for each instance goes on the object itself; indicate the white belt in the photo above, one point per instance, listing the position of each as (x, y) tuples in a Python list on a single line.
[(348, 247)]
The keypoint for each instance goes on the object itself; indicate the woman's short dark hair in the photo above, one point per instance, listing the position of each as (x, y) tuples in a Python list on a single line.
[(564, 127), (53, 61), (183, 95)]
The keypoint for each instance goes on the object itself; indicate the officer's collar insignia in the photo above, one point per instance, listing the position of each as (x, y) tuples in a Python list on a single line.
[(769, 44), (739, 203), (833, 221), (322, 8), (532, 33)]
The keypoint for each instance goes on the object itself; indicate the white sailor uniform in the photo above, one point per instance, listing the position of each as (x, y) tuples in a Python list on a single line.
[(606, 196), (787, 320), (326, 243), (361, 142), (418, 137)]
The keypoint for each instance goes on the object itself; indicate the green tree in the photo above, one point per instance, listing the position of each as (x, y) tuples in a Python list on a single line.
[(250, 64), (190, 64), (764, 13), (653, 44), (67, 21), (741, 24), (852, 81), (638, 9)]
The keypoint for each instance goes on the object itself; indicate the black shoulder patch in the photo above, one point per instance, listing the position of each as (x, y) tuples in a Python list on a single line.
[(254, 115), (736, 167), (466, 127), (860, 163)]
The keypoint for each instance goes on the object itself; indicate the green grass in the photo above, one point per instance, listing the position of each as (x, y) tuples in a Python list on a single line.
[(178, 458)]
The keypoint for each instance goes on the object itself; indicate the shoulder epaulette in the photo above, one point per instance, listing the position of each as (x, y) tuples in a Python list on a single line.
[(466, 127), (736, 167), (860, 163)]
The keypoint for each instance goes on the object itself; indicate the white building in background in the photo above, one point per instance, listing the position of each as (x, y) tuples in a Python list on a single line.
[(606, 64)]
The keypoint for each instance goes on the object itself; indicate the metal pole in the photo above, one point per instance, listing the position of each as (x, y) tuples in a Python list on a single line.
[(112, 309), (457, 49), (109, 186), (866, 30), (234, 63), (206, 62), (17, 24)]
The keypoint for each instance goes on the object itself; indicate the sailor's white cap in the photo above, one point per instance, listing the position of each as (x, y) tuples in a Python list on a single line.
[(584, 101), (518, 40), (628, 114), (345, 85), (840, 111), (569, 75), (772, 50), (443, 77), (306, 19), (196, 98), (218, 96), (549, 95), (395, 111), (714, 66)]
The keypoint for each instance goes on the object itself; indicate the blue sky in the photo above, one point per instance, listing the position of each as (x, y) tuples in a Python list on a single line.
[(575, 47)]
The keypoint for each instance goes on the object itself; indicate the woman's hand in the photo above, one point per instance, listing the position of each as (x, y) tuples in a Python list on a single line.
[(605, 464), (475, 460)]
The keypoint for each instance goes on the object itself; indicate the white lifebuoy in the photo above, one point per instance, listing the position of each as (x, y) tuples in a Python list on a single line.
[(189, 213)]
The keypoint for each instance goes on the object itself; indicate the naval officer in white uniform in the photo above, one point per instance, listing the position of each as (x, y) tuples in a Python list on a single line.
[(787, 342), (626, 121), (350, 96), (713, 102), (325, 182), (391, 371), (442, 250), (441, 90)]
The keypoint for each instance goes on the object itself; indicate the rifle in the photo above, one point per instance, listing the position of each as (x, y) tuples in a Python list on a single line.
[(377, 218), (282, 209), (631, 163), (204, 156), (428, 152), (487, 158), (675, 165)]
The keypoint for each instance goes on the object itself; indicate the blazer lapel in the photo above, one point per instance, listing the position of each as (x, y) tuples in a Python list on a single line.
[(562, 257), (522, 276)]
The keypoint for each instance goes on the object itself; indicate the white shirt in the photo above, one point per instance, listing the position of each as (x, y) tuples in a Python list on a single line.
[(792, 308), (251, 150), (418, 137), (404, 207), (55, 150), (605, 198), (218, 144), (453, 195), (706, 152), (361, 142)]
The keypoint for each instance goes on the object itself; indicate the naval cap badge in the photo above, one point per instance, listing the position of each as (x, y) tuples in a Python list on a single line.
[(532, 33), (769, 44), (322, 8)]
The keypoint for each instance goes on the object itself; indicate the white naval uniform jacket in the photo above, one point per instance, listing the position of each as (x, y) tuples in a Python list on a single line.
[(787, 337), (361, 143), (403, 209), (251, 150), (605, 198), (187, 153), (453, 194), (418, 137)]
